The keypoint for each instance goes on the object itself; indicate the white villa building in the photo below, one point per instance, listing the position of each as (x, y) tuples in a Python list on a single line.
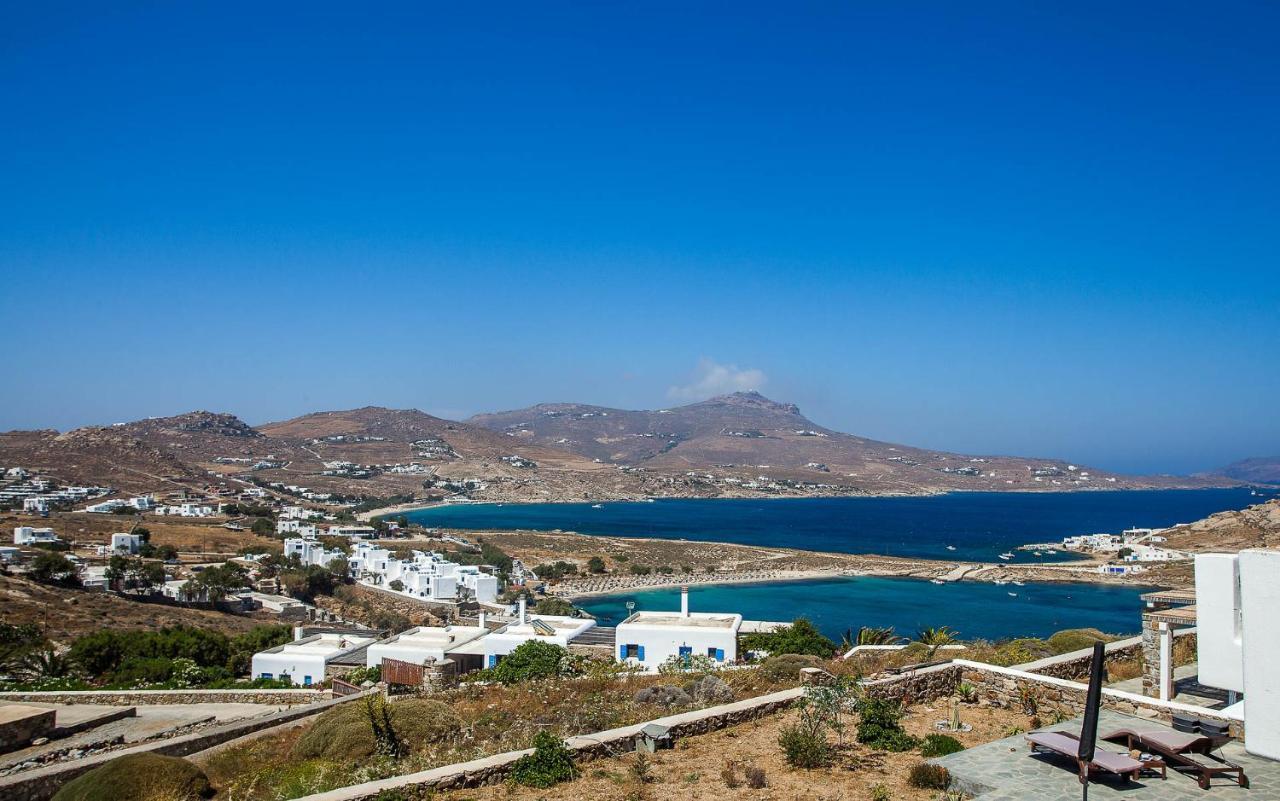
[(648, 639), (1238, 639), (354, 532), (26, 535), (304, 661), (422, 645), (123, 543), (425, 576), (553, 629)]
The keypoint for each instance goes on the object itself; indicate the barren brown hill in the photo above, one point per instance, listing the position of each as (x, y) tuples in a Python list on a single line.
[(747, 434), (1257, 526)]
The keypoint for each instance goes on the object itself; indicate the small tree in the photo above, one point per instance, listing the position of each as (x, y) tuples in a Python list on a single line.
[(801, 637), (531, 660), (54, 568), (397, 585), (595, 565), (549, 764), (554, 606)]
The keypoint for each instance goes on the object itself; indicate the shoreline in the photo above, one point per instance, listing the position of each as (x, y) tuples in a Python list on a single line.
[(790, 576), (387, 511)]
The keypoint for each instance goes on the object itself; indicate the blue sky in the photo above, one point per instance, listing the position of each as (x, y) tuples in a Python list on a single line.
[(995, 228)]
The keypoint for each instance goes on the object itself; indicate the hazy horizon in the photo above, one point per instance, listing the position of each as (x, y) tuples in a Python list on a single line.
[(1002, 229)]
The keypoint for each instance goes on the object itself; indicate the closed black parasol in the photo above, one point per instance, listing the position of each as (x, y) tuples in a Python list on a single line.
[(1093, 701)]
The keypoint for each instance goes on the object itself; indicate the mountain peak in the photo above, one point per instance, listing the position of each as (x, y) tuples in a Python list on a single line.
[(754, 400)]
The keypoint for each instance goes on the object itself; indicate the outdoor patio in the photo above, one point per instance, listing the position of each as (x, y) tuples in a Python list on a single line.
[(1006, 770)]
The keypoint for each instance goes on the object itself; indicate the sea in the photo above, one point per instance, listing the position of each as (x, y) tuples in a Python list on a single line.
[(957, 526), (974, 609), (967, 526)]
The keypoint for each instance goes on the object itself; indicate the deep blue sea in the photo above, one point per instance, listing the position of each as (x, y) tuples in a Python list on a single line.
[(978, 526), (977, 610)]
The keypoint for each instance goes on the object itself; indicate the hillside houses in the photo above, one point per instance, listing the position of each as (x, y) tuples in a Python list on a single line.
[(424, 576)]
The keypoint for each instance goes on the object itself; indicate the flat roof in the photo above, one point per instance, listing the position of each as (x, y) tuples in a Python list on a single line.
[(696, 620)]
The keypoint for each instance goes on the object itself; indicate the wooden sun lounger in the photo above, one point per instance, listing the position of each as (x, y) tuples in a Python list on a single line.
[(1068, 745), (1182, 750)]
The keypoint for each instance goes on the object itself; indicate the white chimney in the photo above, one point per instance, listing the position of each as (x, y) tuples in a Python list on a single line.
[(522, 616), (684, 601), (481, 624)]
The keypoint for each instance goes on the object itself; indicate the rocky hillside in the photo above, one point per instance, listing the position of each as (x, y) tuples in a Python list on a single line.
[(745, 435), (735, 445), (1257, 526), (1258, 470)]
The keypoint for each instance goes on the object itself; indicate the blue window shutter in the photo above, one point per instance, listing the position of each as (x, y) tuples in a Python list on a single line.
[(719, 654), (493, 660), (640, 652), (622, 652)]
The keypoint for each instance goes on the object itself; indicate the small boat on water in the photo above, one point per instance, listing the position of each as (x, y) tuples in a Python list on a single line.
[(999, 582), (1035, 553), (1019, 583), (597, 506), (1050, 552), (1013, 595), (937, 581), (1006, 555), (951, 547)]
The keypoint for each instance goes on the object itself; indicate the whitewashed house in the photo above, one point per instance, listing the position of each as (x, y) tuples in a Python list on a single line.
[(648, 639), (423, 645), (26, 535), (303, 661), (553, 629), (122, 543), (353, 532), (312, 552), (36, 505)]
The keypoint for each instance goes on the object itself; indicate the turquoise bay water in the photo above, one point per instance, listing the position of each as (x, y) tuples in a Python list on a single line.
[(976, 526), (977, 610)]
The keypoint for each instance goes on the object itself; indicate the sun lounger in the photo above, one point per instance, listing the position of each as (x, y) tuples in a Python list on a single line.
[(1068, 745), (1184, 751)]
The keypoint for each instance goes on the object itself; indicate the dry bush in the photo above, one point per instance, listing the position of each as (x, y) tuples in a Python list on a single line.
[(345, 731), (139, 777)]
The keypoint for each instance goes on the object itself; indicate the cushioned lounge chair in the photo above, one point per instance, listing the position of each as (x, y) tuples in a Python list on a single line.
[(1183, 751), (1068, 745)]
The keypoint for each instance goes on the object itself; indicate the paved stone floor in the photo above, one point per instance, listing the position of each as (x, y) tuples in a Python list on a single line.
[(1006, 770), (1187, 688)]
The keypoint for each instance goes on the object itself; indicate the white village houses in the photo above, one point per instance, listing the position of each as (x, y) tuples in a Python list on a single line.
[(304, 660)]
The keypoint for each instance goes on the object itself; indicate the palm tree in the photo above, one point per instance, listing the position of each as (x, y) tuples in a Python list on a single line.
[(935, 638), (46, 664), (877, 636)]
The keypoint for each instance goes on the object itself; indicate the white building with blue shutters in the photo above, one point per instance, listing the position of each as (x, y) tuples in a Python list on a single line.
[(304, 661), (648, 639), (553, 629)]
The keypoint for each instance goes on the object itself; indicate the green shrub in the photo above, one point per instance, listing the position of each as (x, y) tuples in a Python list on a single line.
[(786, 667), (929, 777), (1064, 642), (880, 793), (530, 660), (805, 746), (880, 726), (346, 732), (550, 763), (801, 637), (139, 777), (936, 745)]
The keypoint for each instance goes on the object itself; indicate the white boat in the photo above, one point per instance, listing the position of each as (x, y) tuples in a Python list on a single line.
[(1035, 553), (1050, 552), (1006, 555), (951, 547), (597, 506), (999, 582), (937, 581), (1020, 583), (1013, 595)]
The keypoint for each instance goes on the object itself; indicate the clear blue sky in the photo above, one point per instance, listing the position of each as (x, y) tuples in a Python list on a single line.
[(994, 228)]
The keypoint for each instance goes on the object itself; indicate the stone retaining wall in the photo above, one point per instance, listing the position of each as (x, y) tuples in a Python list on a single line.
[(1053, 697), (494, 769), (925, 684), (1075, 665), (40, 784), (147, 697)]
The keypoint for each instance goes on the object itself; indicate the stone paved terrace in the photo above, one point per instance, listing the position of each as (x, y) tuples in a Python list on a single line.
[(1005, 770)]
